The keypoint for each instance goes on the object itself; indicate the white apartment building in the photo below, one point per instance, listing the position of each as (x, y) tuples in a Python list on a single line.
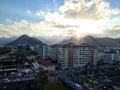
[(77, 56)]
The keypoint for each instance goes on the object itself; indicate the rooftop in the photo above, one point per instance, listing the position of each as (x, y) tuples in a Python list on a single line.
[(44, 62)]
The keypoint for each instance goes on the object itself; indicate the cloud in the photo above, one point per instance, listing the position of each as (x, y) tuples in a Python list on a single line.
[(111, 31), (74, 17), (59, 25), (21, 24), (29, 12), (8, 20), (82, 9), (70, 32), (82, 16), (48, 30), (79, 12), (94, 9), (115, 28), (45, 27), (6, 31), (19, 28)]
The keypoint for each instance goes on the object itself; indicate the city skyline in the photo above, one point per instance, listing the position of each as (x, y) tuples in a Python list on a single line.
[(60, 18)]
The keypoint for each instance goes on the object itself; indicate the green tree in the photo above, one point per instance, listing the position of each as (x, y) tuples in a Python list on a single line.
[(4, 50), (54, 85), (99, 63), (42, 79)]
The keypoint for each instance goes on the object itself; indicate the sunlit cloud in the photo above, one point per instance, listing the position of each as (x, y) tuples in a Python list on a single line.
[(6, 31), (115, 27), (73, 18), (87, 16), (93, 9)]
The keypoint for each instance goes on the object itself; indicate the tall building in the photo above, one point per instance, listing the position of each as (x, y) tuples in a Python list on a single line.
[(42, 51), (53, 52), (77, 55)]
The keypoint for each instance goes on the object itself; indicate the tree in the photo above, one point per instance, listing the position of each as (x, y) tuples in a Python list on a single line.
[(54, 85), (4, 50), (42, 79), (99, 63)]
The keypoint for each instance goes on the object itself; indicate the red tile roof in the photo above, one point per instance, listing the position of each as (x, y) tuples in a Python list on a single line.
[(44, 62)]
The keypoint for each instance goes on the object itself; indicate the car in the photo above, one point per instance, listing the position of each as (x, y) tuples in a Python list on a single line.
[(78, 85)]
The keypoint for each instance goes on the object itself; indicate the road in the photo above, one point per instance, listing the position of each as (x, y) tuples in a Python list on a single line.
[(63, 76)]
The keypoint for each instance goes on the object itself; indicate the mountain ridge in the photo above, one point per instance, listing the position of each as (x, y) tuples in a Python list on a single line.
[(90, 40), (25, 39), (97, 42)]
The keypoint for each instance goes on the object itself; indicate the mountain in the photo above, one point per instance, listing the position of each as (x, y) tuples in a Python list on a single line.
[(4, 41), (42, 39), (24, 39), (110, 42), (71, 40), (90, 41), (87, 39), (98, 42)]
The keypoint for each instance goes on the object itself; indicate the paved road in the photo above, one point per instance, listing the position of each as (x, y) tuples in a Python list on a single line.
[(63, 76)]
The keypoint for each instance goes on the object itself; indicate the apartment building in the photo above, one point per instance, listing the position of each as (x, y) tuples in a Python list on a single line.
[(23, 48), (42, 51), (77, 55), (53, 51), (111, 56)]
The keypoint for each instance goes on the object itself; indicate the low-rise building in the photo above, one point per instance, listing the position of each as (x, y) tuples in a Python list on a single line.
[(46, 65), (52, 76)]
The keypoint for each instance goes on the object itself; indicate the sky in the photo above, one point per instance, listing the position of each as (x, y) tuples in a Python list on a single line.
[(59, 19)]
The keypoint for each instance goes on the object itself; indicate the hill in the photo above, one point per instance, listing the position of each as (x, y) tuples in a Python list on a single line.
[(98, 42), (25, 39)]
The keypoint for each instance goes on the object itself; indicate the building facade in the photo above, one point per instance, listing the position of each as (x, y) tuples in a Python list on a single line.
[(53, 51), (111, 57), (42, 51), (46, 65), (77, 55), (23, 48)]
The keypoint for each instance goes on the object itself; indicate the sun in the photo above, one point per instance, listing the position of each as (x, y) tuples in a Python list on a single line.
[(87, 27), (81, 26)]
